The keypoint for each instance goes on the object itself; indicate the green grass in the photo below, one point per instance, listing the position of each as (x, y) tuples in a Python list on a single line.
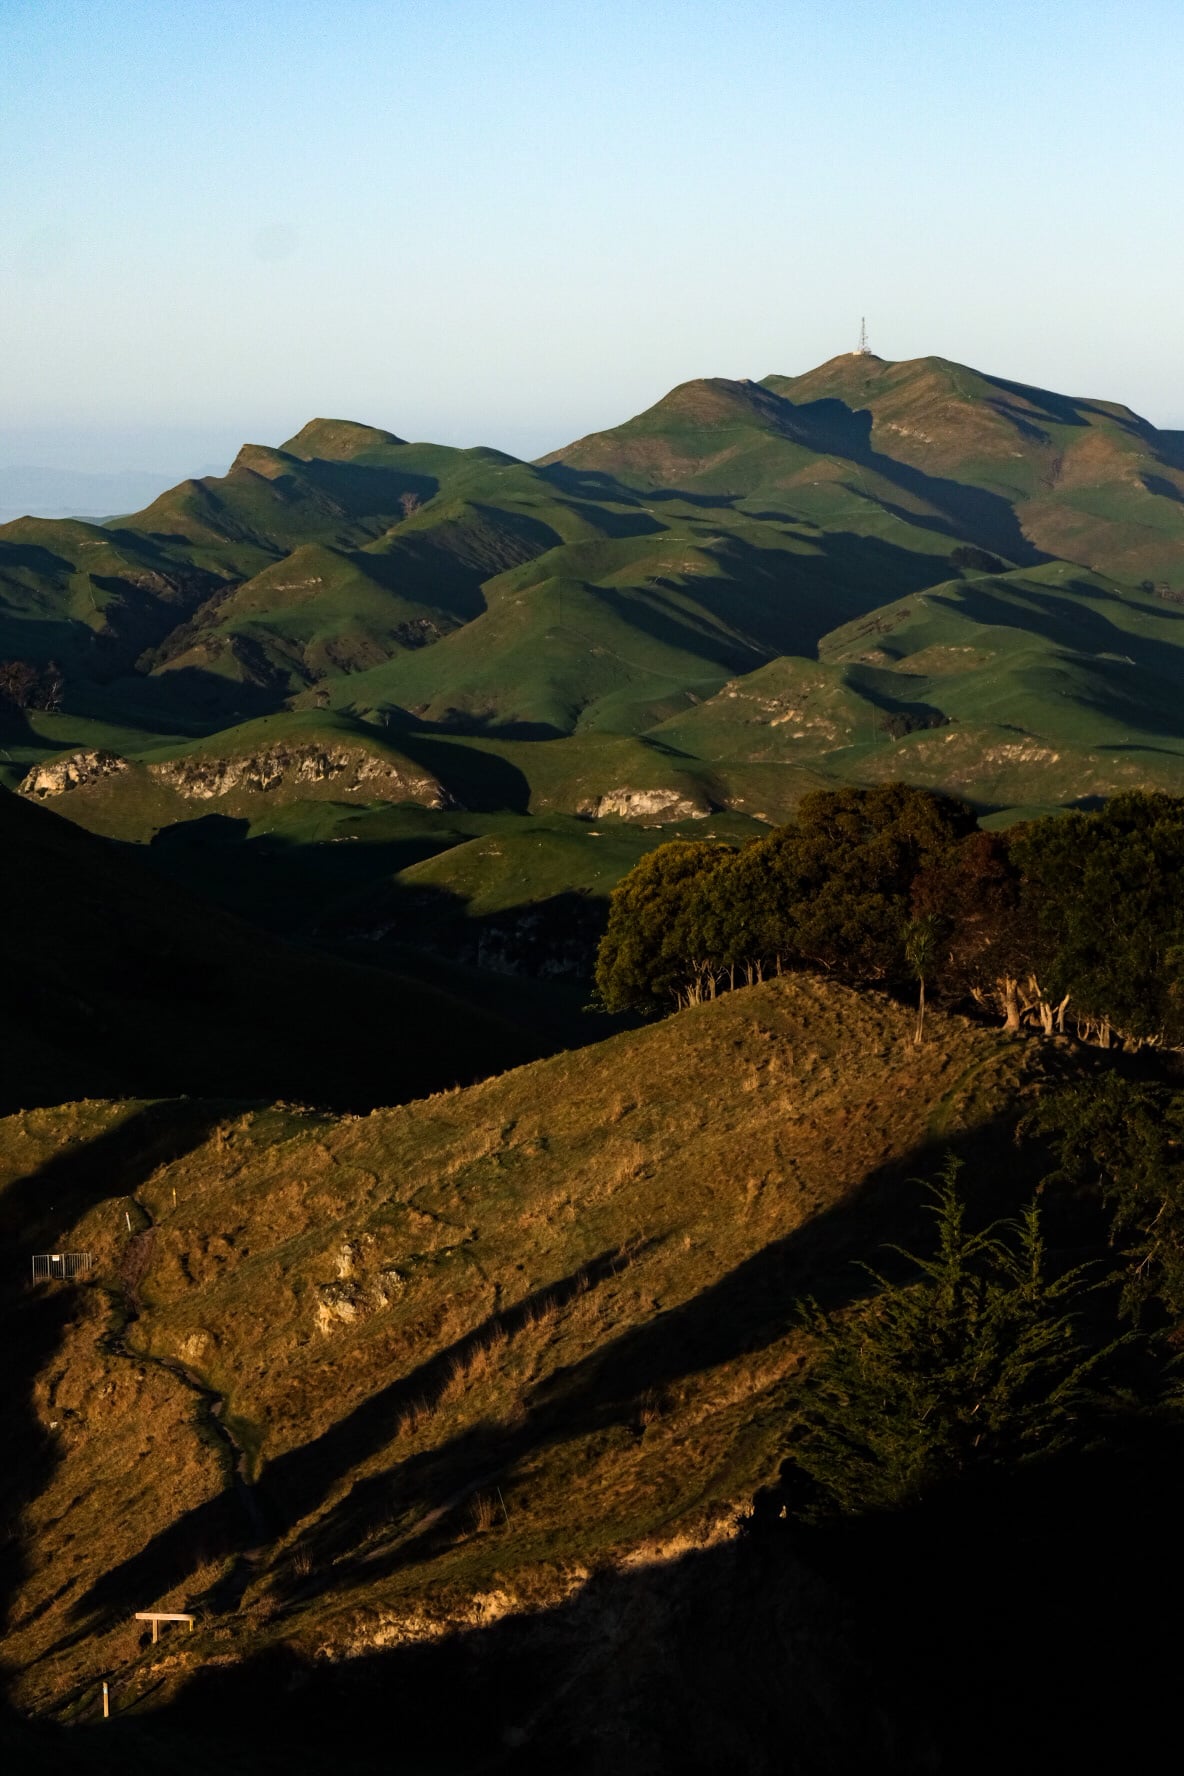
[(746, 592), (1046, 684)]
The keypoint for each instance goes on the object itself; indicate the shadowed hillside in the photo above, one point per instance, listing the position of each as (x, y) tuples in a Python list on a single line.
[(435, 1329), (119, 982)]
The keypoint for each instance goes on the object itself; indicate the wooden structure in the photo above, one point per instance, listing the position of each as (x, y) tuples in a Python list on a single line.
[(156, 1617), (61, 1264)]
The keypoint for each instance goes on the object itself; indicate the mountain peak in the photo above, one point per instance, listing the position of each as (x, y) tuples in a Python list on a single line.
[(336, 440), (263, 460)]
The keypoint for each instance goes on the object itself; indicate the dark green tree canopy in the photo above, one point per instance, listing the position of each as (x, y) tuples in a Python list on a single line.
[(1103, 897), (846, 871), (1074, 921), (831, 891), (646, 954), (1124, 1139)]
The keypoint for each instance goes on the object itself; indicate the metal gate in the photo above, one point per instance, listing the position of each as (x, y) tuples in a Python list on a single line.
[(61, 1264)]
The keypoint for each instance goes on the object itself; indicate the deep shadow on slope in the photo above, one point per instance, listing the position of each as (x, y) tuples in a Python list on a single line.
[(530, 965), (1024, 1620), (768, 601), (1057, 617), (830, 428), (745, 1310), (729, 1660), (973, 514), (1024, 1624), (297, 1483), (120, 983)]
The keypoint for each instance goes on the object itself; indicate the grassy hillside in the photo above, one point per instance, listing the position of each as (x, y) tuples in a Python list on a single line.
[(745, 592), (456, 1411), (91, 597), (483, 1361), (982, 687), (1010, 468), (1089, 480)]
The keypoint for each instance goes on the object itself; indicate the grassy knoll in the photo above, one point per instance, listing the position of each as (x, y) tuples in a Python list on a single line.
[(477, 1353)]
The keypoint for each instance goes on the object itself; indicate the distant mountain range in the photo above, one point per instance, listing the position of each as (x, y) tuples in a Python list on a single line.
[(875, 569)]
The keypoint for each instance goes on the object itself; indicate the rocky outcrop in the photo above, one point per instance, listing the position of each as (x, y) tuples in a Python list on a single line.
[(435, 1618), (359, 1289), (76, 772), (643, 804), (287, 766), (283, 767)]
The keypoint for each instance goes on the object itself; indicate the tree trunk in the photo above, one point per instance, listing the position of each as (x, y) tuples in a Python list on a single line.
[(1011, 1002), (919, 1032)]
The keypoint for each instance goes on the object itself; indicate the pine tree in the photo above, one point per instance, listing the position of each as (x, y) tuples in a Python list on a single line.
[(979, 1360)]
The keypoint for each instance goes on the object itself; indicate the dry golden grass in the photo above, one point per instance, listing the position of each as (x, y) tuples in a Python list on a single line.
[(567, 1293), (485, 1513)]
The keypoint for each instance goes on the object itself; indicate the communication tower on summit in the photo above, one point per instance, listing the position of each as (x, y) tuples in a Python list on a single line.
[(865, 350)]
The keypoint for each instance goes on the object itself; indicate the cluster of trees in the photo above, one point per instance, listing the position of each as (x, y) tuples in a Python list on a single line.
[(1076, 917)]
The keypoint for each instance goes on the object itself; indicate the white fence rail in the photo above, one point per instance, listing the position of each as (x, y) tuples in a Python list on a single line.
[(61, 1264)]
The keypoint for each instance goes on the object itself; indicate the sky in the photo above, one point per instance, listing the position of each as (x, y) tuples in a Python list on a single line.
[(512, 223)]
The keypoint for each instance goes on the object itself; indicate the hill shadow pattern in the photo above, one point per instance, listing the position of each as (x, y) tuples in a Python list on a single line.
[(973, 514), (746, 1310), (1012, 1621), (1011, 1625)]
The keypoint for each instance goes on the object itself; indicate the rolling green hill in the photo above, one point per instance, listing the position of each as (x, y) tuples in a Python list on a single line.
[(1088, 481), (1011, 468), (1042, 685), (749, 590)]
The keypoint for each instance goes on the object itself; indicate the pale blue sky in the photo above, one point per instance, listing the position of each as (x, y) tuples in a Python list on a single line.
[(511, 222)]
